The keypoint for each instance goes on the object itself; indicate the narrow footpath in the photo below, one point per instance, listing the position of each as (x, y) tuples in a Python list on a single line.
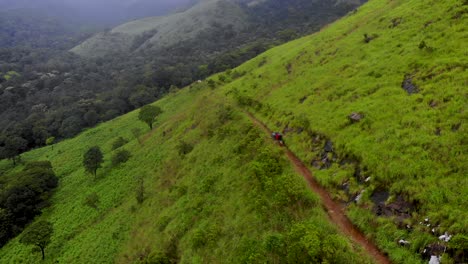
[(335, 211)]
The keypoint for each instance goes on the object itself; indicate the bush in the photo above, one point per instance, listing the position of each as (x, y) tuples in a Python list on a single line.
[(120, 156), (119, 142), (92, 200), (184, 148), (140, 190)]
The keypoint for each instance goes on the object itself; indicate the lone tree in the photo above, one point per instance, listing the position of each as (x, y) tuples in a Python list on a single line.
[(38, 234), (148, 114), (92, 160), (50, 141)]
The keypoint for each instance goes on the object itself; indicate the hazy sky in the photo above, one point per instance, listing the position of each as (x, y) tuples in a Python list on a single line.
[(110, 11)]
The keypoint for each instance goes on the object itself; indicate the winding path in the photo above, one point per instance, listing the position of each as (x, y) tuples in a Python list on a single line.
[(334, 210)]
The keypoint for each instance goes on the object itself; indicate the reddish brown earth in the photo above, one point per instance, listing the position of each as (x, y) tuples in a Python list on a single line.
[(334, 210)]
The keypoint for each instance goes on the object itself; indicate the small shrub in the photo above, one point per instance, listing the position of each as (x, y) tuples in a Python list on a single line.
[(119, 142), (368, 38), (92, 201), (120, 156), (222, 78), (184, 148), (225, 114), (140, 190), (137, 133), (211, 84)]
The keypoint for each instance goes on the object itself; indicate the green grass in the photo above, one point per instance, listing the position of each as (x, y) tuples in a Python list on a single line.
[(221, 202), (225, 202), (335, 73)]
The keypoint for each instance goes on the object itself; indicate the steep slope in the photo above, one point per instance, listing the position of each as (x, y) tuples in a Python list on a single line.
[(215, 189), (164, 31), (375, 103)]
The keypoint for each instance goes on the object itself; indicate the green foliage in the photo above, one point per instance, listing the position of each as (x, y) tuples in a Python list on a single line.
[(140, 190), (184, 148), (121, 156), (93, 159), (92, 201), (50, 141), (120, 141), (11, 147), (38, 234), (148, 114)]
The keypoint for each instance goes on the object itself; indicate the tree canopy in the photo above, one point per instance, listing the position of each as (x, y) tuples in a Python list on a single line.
[(93, 159), (148, 114), (38, 234)]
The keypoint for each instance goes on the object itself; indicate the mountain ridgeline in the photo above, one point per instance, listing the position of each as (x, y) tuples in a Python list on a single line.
[(238, 21)]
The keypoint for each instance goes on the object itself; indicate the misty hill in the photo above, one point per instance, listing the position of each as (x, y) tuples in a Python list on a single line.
[(234, 18), (375, 104), (159, 32), (106, 12)]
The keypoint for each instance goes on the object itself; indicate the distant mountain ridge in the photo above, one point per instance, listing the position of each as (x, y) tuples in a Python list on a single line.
[(164, 31), (233, 15), (109, 12)]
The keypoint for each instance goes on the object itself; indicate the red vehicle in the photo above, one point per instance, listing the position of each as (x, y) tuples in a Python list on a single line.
[(278, 137)]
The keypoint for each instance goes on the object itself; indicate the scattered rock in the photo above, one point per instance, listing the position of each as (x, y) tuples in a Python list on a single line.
[(359, 196), (328, 146), (400, 209), (403, 242), (368, 179), (409, 86), (355, 117), (445, 237), (434, 249), (379, 197), (434, 260), (433, 103)]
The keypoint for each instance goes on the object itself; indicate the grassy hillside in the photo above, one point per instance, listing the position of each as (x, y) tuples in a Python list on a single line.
[(410, 149), (217, 191)]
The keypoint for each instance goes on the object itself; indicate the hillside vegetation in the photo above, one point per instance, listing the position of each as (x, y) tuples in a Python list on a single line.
[(214, 191), (375, 103)]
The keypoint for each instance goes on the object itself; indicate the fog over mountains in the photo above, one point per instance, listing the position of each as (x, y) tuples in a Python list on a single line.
[(99, 11)]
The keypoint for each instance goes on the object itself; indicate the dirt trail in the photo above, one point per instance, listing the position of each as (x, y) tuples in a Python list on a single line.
[(335, 211)]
